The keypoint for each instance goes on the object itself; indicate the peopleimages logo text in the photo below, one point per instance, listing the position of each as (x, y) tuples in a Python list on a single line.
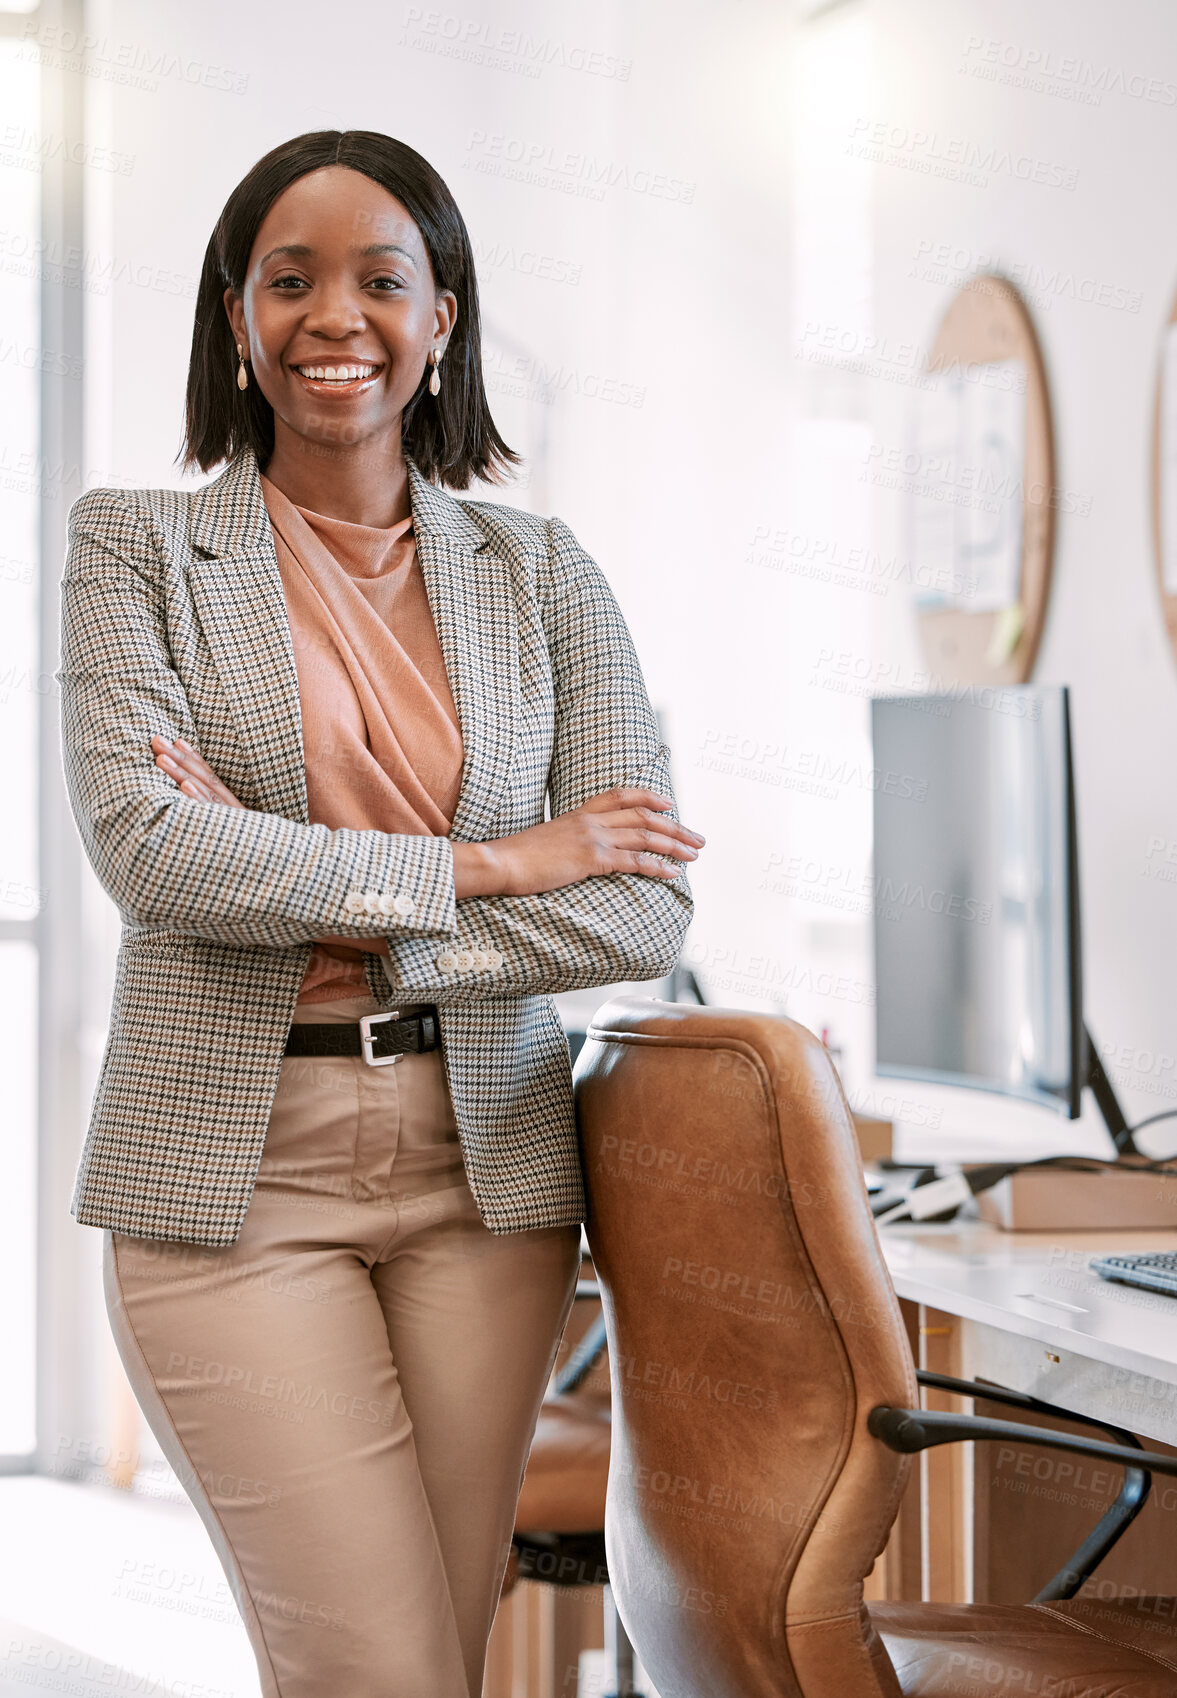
[(534, 161)]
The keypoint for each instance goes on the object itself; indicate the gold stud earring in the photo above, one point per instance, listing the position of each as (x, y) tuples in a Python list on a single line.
[(435, 375), (242, 374)]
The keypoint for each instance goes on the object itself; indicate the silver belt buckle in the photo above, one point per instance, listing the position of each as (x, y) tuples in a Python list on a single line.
[(367, 1021)]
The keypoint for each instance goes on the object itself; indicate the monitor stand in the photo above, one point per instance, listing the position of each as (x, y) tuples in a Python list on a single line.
[(1126, 1194), (1108, 1102)]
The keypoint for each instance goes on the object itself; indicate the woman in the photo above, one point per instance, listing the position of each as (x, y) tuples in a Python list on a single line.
[(310, 711)]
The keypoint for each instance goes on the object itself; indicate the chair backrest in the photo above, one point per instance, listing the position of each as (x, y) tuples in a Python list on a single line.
[(752, 1327)]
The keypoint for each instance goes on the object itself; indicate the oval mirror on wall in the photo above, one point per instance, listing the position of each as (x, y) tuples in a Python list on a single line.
[(1164, 476), (983, 497)]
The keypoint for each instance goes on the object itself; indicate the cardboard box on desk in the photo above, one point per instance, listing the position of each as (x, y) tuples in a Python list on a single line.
[(1048, 1199), (874, 1136)]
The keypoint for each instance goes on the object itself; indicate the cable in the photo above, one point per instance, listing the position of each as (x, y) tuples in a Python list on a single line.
[(931, 1196), (1165, 1114), (979, 1177), (927, 1200), (890, 1197)]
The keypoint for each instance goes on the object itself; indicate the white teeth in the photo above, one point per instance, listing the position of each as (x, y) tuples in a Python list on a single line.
[(336, 374)]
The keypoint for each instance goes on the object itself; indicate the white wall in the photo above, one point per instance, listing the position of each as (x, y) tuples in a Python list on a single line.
[(1109, 239), (690, 302)]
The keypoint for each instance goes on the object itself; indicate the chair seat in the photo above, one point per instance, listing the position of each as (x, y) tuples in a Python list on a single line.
[(567, 1469), (1081, 1649)]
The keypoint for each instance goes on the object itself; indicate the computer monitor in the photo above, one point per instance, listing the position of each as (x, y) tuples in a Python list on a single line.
[(976, 895)]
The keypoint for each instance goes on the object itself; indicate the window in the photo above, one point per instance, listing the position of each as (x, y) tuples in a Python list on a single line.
[(22, 702), (822, 556)]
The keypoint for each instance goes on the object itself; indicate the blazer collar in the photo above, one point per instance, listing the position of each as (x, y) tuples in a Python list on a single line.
[(238, 592), (229, 512)]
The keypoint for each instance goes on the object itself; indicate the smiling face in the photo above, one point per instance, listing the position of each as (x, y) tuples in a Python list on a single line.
[(339, 310)]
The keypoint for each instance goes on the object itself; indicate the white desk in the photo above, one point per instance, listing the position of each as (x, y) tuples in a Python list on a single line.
[(1023, 1310), (1036, 1318)]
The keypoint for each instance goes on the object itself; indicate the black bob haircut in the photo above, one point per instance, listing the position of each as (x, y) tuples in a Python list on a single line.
[(451, 438)]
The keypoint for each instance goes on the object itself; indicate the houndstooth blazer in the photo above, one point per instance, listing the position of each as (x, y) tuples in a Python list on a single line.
[(173, 620)]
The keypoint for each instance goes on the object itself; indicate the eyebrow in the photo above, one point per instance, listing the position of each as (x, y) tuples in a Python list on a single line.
[(301, 250)]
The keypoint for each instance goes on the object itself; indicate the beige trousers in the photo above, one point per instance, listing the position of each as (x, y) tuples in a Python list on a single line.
[(349, 1391)]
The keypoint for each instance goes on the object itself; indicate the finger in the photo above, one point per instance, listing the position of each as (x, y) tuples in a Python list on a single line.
[(638, 816), (656, 842), (674, 827), (181, 757), (178, 775), (192, 756), (207, 781), (173, 760), (192, 762), (216, 790), (626, 796), (183, 761), (184, 781), (178, 750), (646, 862)]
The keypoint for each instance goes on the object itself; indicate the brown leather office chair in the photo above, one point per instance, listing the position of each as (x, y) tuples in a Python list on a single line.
[(762, 1377)]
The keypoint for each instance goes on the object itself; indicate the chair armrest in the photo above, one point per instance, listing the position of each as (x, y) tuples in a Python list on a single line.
[(1021, 1400), (911, 1430), (587, 1352)]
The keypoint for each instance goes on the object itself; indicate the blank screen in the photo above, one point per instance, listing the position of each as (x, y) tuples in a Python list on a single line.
[(972, 902)]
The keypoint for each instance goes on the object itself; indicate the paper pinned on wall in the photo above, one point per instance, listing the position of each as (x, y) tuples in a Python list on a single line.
[(965, 514), (1168, 468), (1006, 634)]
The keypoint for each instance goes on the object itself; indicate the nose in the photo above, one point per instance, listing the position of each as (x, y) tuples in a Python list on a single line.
[(334, 311)]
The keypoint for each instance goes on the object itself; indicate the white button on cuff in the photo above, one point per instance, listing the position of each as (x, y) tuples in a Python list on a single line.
[(447, 961), (388, 904), (464, 961), (404, 904), (371, 902), (494, 958), (353, 902), (479, 959)]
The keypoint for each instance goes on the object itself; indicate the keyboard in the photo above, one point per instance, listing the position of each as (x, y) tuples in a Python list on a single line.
[(1155, 1272)]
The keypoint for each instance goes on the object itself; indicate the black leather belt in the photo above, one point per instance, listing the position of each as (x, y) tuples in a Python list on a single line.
[(380, 1038)]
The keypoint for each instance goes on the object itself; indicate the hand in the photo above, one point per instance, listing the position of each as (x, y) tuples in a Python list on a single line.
[(619, 831), (193, 775), (197, 779)]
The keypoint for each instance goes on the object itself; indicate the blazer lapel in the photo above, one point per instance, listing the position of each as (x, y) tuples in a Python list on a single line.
[(237, 591), (237, 588), (472, 598)]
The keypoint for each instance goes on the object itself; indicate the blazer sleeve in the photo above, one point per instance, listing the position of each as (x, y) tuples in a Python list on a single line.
[(605, 929), (210, 870)]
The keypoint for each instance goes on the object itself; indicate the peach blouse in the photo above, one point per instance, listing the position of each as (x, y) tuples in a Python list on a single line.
[(382, 743)]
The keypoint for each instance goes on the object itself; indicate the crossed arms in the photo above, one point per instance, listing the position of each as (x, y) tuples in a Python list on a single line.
[(256, 880)]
